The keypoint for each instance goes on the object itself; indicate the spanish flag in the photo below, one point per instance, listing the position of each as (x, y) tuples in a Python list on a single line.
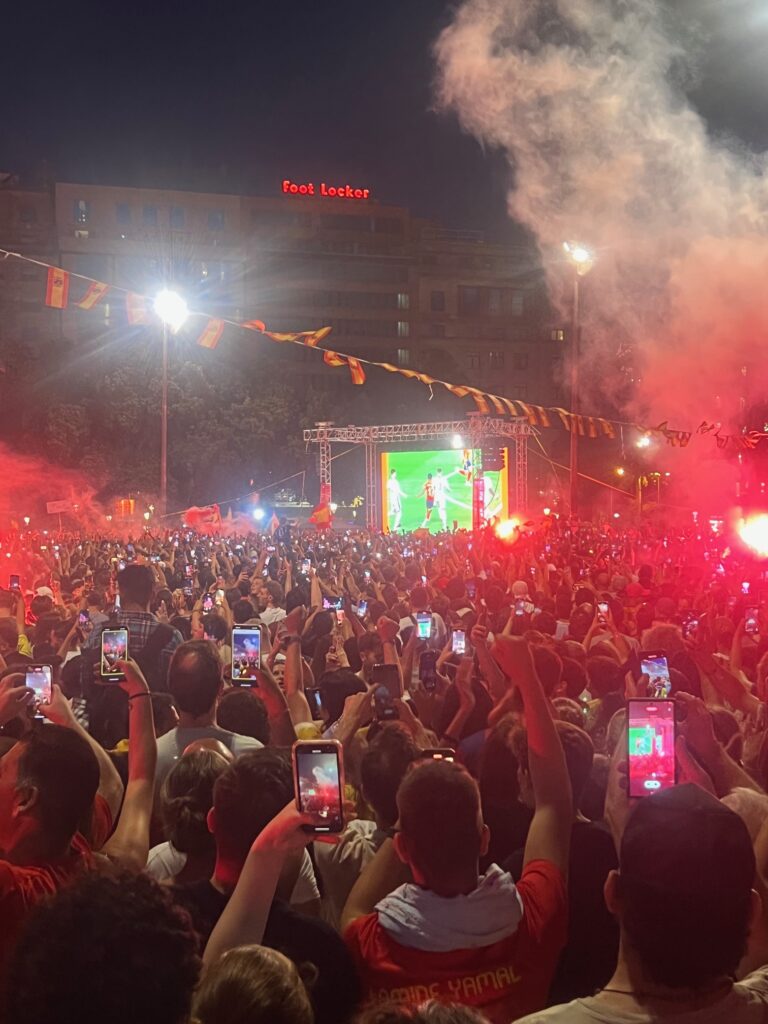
[(57, 290), (212, 334), (356, 371), (96, 291), (136, 309)]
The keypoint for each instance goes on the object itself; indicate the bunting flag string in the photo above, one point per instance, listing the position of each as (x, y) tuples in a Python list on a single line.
[(137, 311)]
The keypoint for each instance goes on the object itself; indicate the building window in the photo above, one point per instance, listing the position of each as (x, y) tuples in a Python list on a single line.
[(469, 299), (403, 328), (473, 361), (403, 357), (82, 211), (149, 216), (521, 360), (177, 217), (215, 220), (28, 215), (494, 300), (123, 213), (81, 233), (518, 301), (496, 360), (437, 330), (403, 300), (437, 301), (558, 334)]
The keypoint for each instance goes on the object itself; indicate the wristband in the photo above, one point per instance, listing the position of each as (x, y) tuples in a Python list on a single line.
[(144, 693), (292, 639)]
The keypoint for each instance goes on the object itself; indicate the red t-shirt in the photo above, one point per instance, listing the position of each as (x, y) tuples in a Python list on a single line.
[(22, 887), (505, 981)]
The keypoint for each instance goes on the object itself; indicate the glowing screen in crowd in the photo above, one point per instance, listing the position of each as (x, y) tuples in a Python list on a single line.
[(412, 500)]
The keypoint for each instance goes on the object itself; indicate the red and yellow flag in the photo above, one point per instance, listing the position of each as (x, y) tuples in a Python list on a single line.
[(212, 334), (57, 290), (356, 371), (96, 291), (136, 309)]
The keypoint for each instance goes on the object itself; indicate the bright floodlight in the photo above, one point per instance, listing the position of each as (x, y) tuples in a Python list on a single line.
[(457, 441), (580, 256), (754, 533), (644, 441), (171, 308), (507, 529), (258, 514)]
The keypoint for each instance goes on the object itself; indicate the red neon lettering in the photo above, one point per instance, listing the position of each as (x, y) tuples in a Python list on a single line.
[(286, 185), (334, 191), (358, 193)]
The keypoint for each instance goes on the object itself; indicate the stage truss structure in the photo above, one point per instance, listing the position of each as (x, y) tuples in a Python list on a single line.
[(477, 431)]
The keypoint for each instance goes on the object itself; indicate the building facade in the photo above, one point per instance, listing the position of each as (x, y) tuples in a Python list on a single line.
[(393, 286)]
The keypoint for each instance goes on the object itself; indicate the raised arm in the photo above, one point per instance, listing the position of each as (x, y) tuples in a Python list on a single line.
[(550, 833)]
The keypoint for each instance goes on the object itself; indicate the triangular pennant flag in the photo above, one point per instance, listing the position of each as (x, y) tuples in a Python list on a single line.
[(356, 371), (212, 334), (333, 359), (254, 325), (96, 291), (57, 288), (274, 525), (136, 309)]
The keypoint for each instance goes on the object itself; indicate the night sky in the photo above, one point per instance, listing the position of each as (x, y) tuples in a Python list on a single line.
[(234, 97)]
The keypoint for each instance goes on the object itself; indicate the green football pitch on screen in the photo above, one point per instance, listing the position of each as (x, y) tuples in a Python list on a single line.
[(405, 494)]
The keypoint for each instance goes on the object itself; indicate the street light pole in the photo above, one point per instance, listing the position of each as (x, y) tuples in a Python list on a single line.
[(575, 330), (164, 426)]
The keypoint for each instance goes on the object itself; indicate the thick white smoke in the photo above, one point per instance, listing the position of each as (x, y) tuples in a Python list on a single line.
[(587, 99)]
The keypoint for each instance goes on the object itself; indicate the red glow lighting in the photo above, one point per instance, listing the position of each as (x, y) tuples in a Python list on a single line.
[(309, 188), (507, 529), (754, 533)]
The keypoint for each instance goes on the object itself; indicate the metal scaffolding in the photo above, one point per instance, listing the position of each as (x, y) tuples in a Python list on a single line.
[(476, 431)]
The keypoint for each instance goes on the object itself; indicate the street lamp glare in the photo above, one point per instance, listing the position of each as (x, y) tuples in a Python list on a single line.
[(171, 308), (457, 441), (581, 257), (644, 441)]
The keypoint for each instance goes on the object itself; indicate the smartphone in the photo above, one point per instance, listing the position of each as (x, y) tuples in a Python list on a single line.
[(751, 621), (602, 611), (459, 642), (384, 709), (114, 648), (520, 606), (39, 679), (388, 677), (340, 615), (116, 604), (745, 587), (312, 693), (246, 655), (689, 628), (332, 603), (121, 564), (439, 754), (306, 565), (189, 570), (84, 620), (319, 784), (362, 608), (471, 588), (424, 625), (423, 581), (367, 574), (651, 746), (654, 665), (14, 581), (428, 670)]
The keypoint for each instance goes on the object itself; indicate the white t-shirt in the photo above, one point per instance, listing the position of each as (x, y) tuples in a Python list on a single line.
[(746, 1003)]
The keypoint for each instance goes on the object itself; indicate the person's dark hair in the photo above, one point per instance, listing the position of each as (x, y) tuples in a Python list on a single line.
[(382, 769), (335, 687), (41, 605), (252, 985), (563, 602), (183, 624), (62, 767), (275, 591), (95, 599), (186, 796), (439, 805), (296, 597), (243, 611), (370, 642), (240, 710), (214, 627), (605, 676), (136, 583), (497, 775), (419, 598), (122, 952), (195, 676), (577, 747), (247, 796), (430, 1012), (544, 622), (575, 678)]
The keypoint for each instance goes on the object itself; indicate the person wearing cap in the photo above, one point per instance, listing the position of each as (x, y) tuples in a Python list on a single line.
[(684, 899)]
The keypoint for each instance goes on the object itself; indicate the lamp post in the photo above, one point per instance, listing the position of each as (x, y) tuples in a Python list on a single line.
[(172, 311), (582, 260)]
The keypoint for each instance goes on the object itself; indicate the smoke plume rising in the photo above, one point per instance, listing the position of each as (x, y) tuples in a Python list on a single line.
[(587, 98), (28, 482)]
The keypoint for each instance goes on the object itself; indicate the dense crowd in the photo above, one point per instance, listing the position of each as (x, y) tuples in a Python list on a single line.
[(491, 864)]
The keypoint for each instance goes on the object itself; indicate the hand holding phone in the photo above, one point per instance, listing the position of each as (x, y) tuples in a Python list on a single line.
[(459, 641), (246, 655), (319, 784), (651, 746), (424, 625), (752, 621), (654, 665), (114, 648), (428, 670), (39, 679)]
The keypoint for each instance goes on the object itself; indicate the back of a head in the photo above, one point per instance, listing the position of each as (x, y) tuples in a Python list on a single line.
[(439, 805), (62, 767), (668, 639), (252, 985), (247, 796), (549, 668), (685, 887), (135, 584), (195, 676), (544, 622), (186, 797), (243, 611), (240, 710), (121, 952), (335, 687), (431, 1012), (605, 676), (383, 767)]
